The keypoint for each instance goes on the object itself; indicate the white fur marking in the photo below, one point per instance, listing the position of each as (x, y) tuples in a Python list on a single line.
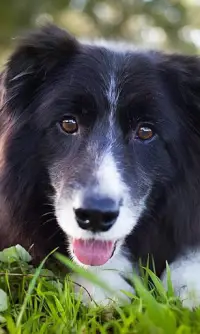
[(109, 183), (112, 95), (108, 178), (112, 92)]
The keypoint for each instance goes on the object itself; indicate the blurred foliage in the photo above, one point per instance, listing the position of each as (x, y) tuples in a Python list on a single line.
[(165, 24)]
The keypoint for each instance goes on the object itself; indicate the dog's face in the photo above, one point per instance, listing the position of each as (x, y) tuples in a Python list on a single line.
[(110, 123), (108, 129)]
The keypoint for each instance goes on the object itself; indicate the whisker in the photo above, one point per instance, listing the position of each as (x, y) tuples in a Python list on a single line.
[(48, 221), (52, 235), (48, 204), (47, 213)]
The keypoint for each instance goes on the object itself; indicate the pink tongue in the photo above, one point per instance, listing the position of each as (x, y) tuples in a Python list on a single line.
[(93, 252)]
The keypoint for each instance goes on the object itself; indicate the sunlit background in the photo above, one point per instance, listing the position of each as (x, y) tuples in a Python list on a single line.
[(163, 24)]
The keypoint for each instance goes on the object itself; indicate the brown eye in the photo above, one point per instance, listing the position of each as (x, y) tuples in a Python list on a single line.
[(69, 125), (145, 133)]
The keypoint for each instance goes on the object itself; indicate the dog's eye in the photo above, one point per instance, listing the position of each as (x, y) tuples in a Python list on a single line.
[(69, 125), (144, 133)]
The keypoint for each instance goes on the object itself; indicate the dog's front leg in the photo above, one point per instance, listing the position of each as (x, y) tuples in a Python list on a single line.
[(185, 277), (113, 275), (97, 295)]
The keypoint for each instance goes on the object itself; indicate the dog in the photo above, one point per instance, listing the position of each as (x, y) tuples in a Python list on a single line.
[(100, 156)]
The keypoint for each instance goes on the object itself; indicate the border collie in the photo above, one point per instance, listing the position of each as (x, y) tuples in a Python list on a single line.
[(100, 156)]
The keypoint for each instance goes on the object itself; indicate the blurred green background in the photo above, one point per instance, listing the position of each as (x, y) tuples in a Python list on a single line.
[(170, 25)]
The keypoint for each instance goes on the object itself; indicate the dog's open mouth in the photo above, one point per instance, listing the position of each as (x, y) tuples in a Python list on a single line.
[(93, 252)]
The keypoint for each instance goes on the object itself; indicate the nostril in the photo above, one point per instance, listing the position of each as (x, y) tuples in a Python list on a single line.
[(82, 215), (83, 218), (109, 217)]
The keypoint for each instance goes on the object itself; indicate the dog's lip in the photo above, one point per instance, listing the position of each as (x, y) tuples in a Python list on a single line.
[(95, 260), (114, 248)]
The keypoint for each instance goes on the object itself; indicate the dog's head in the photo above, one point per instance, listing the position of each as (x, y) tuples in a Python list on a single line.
[(107, 125)]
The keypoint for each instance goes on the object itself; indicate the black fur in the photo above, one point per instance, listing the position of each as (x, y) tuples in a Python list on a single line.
[(51, 74)]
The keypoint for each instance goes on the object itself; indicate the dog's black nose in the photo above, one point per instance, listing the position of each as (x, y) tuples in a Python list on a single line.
[(97, 214)]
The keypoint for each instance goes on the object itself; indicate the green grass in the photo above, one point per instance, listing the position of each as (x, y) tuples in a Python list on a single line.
[(36, 300)]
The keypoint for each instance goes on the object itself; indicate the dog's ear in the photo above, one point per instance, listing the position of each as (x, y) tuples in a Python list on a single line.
[(36, 55)]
